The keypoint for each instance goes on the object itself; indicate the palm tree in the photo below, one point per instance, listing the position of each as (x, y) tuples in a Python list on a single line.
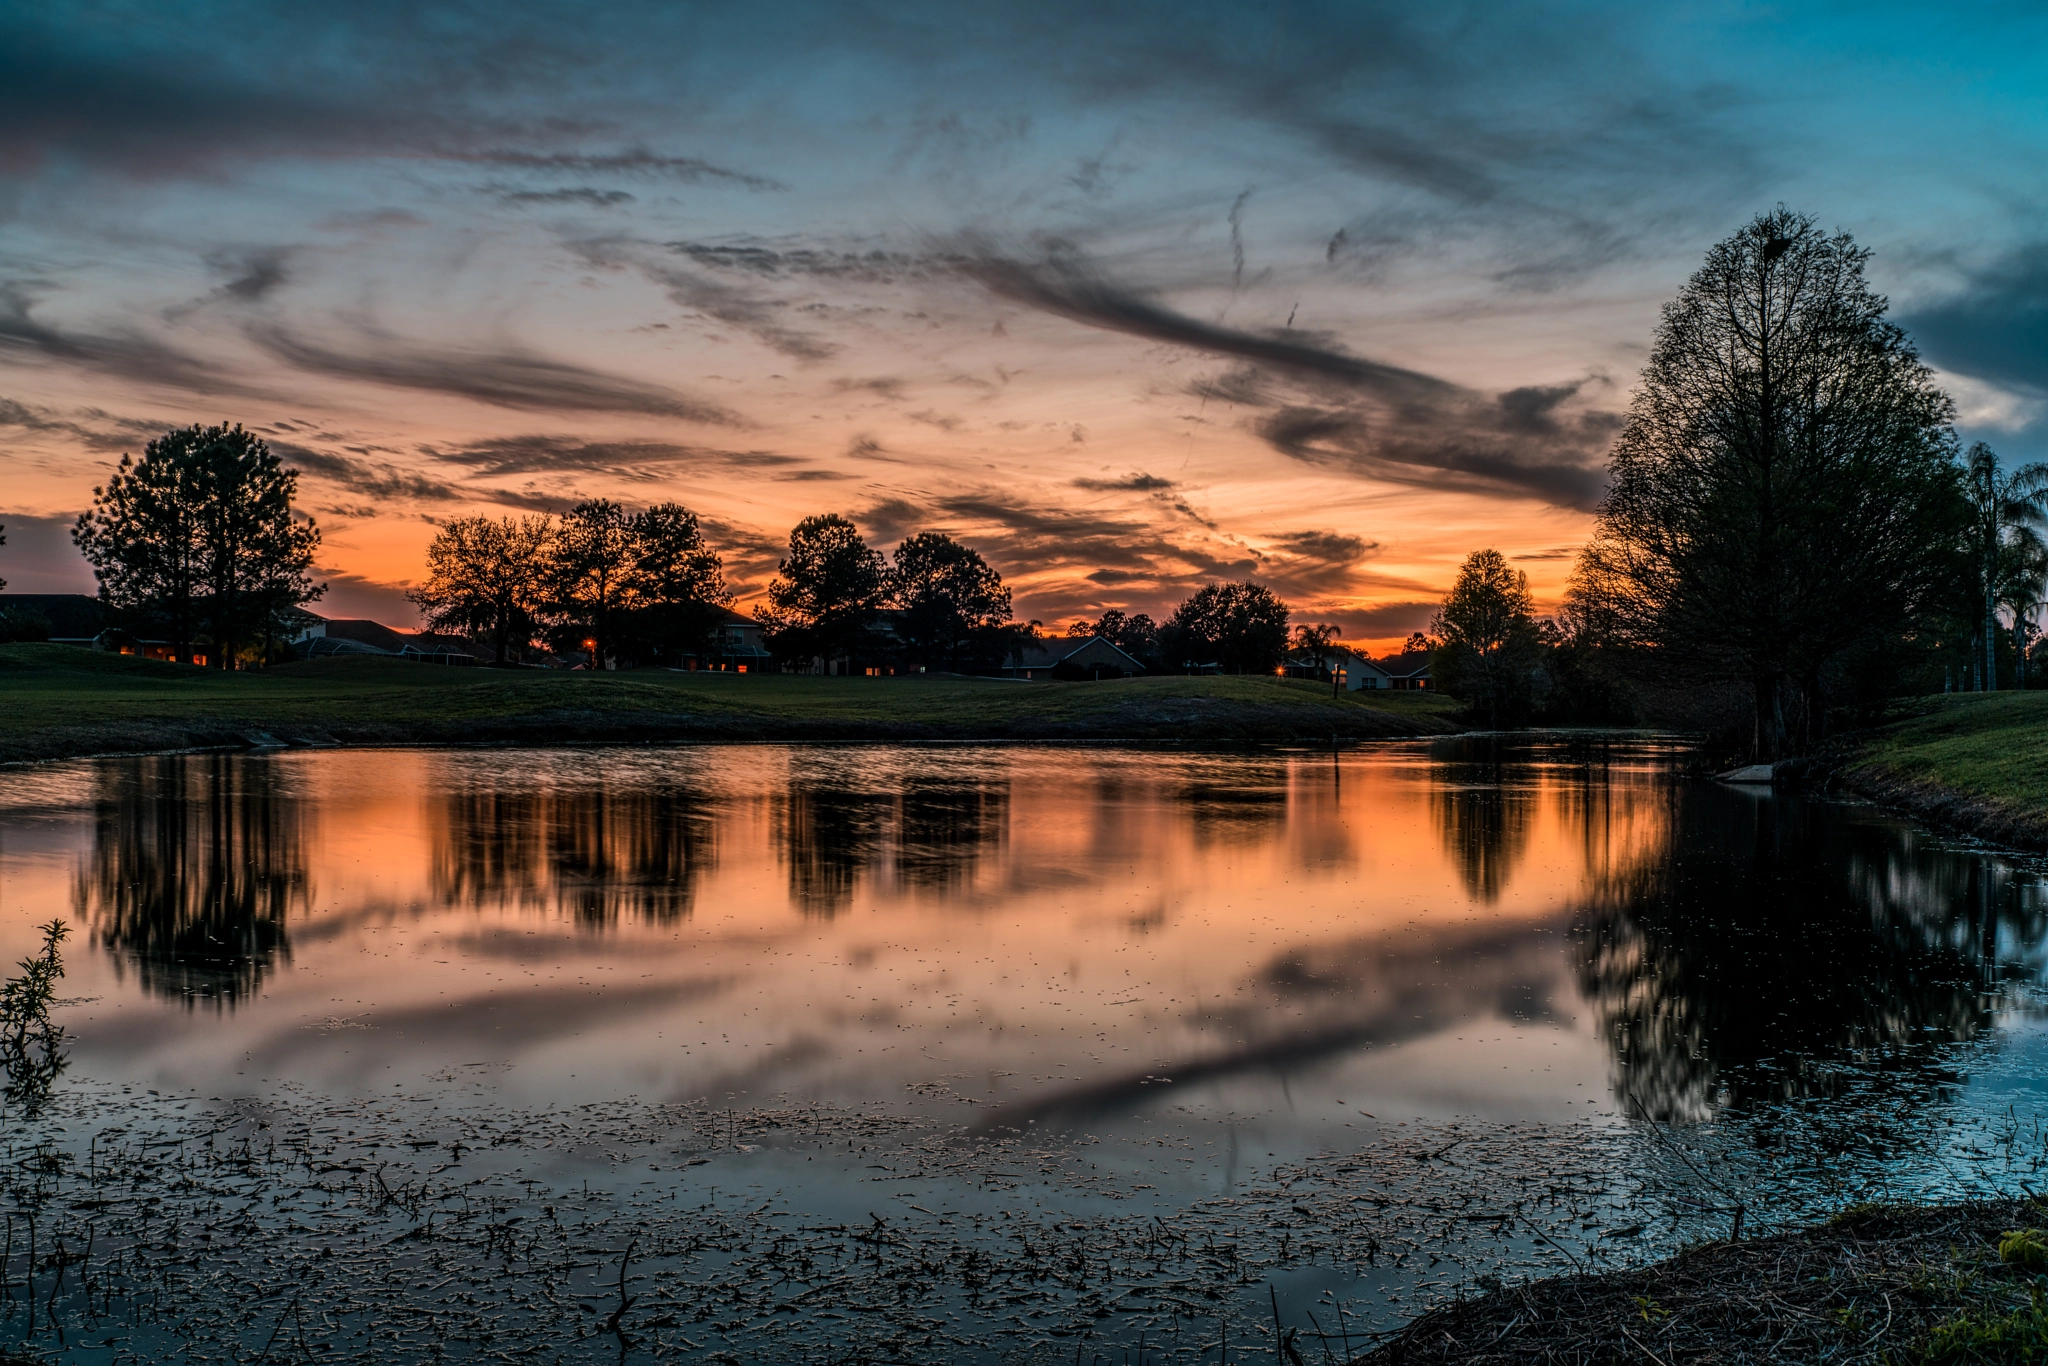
[(1315, 642), (2006, 509), (2023, 590)]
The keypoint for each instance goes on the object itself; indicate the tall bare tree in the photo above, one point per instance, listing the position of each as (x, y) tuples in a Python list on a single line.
[(1786, 482)]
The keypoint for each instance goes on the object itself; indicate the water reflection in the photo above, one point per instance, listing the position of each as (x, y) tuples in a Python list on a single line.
[(1775, 944), (598, 849), (1525, 921), (842, 817), (197, 861)]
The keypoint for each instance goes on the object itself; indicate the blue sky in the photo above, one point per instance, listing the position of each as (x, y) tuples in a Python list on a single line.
[(1130, 296)]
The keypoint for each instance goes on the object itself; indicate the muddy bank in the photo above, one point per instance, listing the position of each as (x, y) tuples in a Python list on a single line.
[(1874, 1285)]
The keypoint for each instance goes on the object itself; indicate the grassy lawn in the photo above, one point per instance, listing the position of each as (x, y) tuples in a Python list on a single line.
[(58, 699), (1987, 751)]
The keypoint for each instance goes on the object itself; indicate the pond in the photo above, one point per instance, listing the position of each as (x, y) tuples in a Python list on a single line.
[(956, 1053)]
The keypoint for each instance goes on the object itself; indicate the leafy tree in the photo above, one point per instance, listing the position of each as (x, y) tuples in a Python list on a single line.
[(1488, 646), (826, 595), (677, 582), (1241, 627), (201, 529), (2007, 515), (1785, 479), (591, 576), (1418, 642), (949, 598), (2021, 587), (1134, 633), (1316, 642), (3, 541), (487, 579)]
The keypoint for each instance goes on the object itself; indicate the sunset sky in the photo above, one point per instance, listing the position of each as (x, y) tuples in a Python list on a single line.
[(1129, 297)]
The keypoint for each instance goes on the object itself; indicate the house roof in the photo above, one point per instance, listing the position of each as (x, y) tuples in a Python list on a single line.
[(1046, 654), (1408, 664), (434, 642), (363, 631), (1342, 655), (72, 616)]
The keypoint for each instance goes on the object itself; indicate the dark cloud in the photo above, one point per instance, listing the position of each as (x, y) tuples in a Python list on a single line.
[(1996, 327), (1130, 483), (1344, 410), (124, 354), (39, 556), (873, 266), (638, 460), (1390, 618), (761, 316), (252, 274), (581, 194), (633, 162), (504, 378), (353, 596), (387, 482)]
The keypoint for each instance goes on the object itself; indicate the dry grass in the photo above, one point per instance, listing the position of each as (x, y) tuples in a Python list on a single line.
[(1875, 1285)]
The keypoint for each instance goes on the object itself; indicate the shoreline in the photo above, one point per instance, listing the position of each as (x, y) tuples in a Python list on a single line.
[(1873, 1284)]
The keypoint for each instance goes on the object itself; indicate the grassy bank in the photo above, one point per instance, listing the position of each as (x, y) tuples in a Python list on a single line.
[(1973, 762), (57, 701), (1945, 1285)]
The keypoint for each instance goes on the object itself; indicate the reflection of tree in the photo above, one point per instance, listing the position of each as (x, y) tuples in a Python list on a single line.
[(849, 814), (1774, 938), (196, 862), (943, 828), (635, 847), (1246, 806), (1483, 805)]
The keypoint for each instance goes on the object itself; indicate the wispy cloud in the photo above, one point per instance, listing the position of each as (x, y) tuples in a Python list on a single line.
[(1322, 405), (505, 378)]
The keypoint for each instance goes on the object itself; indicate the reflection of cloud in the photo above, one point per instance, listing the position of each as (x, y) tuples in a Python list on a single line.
[(1334, 998)]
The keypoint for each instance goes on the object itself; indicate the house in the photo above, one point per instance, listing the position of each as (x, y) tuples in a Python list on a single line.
[(432, 647), (1407, 671), (78, 619), (73, 618), (1070, 657), (322, 637), (1358, 670), (734, 644)]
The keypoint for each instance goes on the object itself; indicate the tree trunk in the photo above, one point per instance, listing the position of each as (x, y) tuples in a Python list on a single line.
[(1990, 641), (1770, 719)]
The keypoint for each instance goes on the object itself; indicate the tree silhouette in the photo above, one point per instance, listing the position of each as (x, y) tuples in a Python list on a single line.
[(826, 594), (1785, 485), (487, 579), (202, 528), (2007, 515), (948, 596)]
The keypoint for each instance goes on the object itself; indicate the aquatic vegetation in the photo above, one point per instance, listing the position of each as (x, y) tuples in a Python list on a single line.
[(31, 1043)]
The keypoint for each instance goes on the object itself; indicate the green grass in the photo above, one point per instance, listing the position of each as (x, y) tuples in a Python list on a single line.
[(58, 699), (1989, 750)]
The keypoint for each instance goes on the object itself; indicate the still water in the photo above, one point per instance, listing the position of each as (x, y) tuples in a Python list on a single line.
[(1168, 974)]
